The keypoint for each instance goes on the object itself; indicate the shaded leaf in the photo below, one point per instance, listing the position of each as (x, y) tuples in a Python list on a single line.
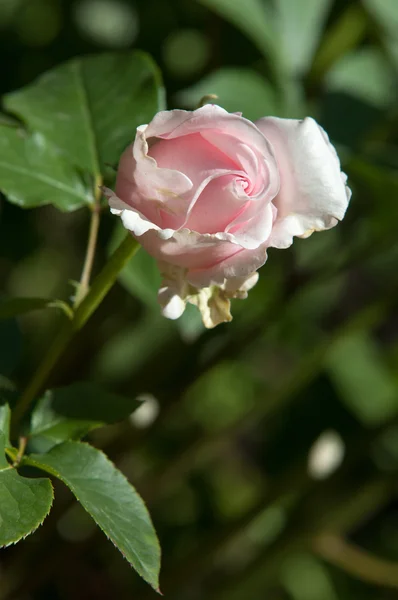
[(71, 412), (24, 503), (273, 27), (90, 107), (12, 307), (141, 276), (133, 345), (259, 99), (344, 35), (365, 384), (254, 18), (110, 499), (32, 173)]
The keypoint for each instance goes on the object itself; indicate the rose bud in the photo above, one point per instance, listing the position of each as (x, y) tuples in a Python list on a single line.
[(207, 192)]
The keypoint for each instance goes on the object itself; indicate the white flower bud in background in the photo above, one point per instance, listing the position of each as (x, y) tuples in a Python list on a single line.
[(326, 455)]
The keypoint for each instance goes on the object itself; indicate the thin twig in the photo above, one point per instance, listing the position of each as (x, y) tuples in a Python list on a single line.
[(91, 245), (356, 561), (23, 440)]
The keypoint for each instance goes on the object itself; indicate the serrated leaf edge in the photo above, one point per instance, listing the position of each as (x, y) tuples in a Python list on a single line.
[(40, 522), (31, 461)]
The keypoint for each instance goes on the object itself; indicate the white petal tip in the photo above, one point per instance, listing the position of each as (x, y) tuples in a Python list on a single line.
[(174, 307)]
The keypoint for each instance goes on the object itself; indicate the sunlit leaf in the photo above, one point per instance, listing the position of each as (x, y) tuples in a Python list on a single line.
[(32, 173), (89, 107), (24, 503)]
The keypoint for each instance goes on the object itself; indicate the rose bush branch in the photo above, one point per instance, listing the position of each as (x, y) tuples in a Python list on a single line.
[(100, 287), (91, 244)]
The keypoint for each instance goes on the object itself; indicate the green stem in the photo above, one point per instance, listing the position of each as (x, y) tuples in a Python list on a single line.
[(100, 287), (84, 285)]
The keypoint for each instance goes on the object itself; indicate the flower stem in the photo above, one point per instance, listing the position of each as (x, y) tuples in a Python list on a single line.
[(100, 287), (91, 245)]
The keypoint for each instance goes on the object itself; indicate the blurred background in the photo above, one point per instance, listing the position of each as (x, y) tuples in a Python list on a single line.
[(266, 449)]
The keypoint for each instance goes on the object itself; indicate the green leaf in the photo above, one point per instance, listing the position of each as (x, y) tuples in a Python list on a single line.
[(355, 364), (24, 503), (273, 27), (300, 25), (375, 181), (71, 412), (110, 499), (140, 277), (10, 346), (5, 422), (32, 173), (344, 35), (8, 121), (259, 99), (90, 107), (133, 345), (364, 74), (12, 307), (385, 13), (254, 18)]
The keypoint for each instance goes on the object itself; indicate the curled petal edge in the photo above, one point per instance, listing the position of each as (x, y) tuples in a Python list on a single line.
[(134, 221), (213, 302)]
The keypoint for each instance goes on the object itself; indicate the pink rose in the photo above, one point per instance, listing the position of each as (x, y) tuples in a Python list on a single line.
[(207, 192)]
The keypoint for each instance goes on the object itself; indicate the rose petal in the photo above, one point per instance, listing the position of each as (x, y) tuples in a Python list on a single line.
[(239, 265), (205, 166), (313, 195), (253, 226), (149, 189), (184, 248), (176, 123), (216, 206)]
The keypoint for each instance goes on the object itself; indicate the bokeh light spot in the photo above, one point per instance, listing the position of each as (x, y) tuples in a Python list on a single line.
[(107, 22), (185, 52)]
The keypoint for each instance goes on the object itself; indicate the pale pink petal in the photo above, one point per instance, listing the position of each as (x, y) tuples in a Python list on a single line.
[(313, 195), (241, 264), (216, 206), (151, 190), (259, 185), (260, 169), (204, 165), (253, 226), (189, 249), (191, 155), (175, 123)]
